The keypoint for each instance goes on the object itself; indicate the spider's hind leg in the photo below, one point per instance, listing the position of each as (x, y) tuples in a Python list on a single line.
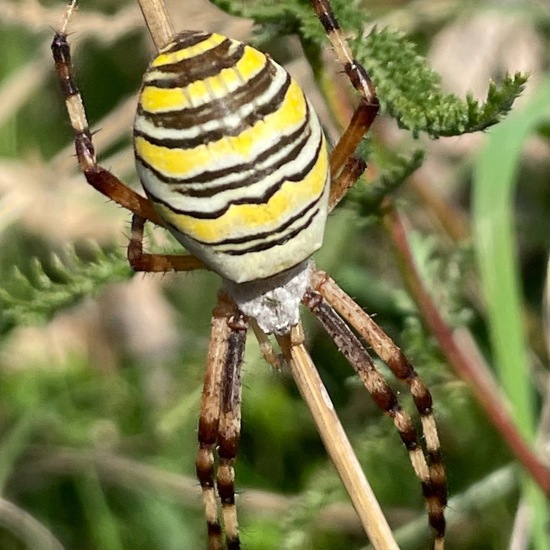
[(220, 421), (230, 425), (428, 467)]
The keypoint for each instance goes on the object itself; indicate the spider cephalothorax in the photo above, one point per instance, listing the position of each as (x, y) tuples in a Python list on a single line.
[(235, 164)]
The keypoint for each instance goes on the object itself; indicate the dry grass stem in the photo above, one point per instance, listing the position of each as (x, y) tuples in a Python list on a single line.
[(336, 441), (157, 21), (28, 529)]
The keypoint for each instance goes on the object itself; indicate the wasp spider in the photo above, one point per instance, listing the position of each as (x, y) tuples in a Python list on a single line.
[(234, 163)]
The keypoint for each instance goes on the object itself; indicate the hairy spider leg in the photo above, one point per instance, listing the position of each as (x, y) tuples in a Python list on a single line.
[(220, 421), (101, 179), (327, 302)]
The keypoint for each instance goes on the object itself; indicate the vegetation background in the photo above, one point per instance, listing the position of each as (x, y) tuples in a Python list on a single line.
[(101, 370)]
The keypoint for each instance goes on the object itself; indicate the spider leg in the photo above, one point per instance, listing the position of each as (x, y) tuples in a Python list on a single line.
[(350, 173), (401, 367), (219, 422), (209, 419), (98, 177), (140, 261), (344, 171), (267, 350), (230, 425), (432, 476), (366, 111)]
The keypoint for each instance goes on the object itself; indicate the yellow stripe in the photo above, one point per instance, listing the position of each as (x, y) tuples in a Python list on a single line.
[(157, 100), (178, 162), (187, 53), (246, 219)]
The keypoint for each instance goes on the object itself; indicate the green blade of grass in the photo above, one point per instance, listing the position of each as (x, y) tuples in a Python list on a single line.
[(102, 522), (495, 178)]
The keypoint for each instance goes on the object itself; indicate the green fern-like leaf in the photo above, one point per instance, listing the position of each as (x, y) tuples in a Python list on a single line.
[(34, 298), (411, 93), (393, 172), (408, 89)]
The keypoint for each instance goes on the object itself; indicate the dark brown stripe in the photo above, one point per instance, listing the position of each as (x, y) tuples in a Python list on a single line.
[(409, 437), (60, 49), (244, 169), (247, 122), (84, 145), (214, 530), (362, 83), (62, 57), (297, 177), (358, 357), (256, 236), (231, 382), (186, 39), (266, 245), (275, 239), (218, 108), (204, 65), (328, 21), (326, 15), (251, 177)]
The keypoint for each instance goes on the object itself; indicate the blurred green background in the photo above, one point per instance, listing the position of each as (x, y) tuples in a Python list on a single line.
[(99, 398)]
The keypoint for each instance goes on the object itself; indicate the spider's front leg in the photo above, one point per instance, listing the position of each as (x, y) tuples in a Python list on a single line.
[(343, 167), (220, 421), (98, 177)]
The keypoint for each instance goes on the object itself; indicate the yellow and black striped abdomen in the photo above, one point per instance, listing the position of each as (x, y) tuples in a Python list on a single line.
[(232, 155)]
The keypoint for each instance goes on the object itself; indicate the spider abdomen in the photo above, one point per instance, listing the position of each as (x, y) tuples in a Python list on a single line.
[(232, 155)]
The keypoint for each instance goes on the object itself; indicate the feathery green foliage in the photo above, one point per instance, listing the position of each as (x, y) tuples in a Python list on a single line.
[(408, 89), (66, 279), (396, 168)]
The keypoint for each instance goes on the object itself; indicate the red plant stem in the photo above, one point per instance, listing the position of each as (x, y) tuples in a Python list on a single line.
[(483, 386)]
